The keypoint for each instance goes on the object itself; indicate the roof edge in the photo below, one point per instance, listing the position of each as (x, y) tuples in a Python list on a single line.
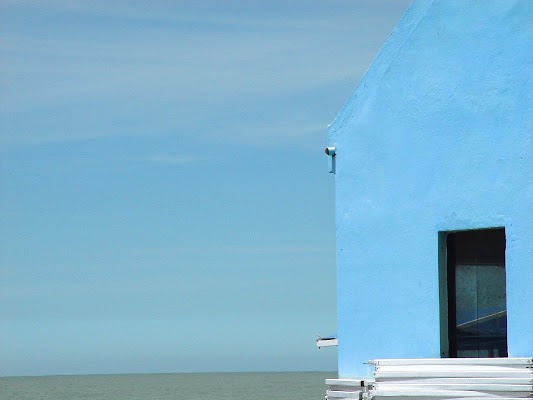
[(389, 51)]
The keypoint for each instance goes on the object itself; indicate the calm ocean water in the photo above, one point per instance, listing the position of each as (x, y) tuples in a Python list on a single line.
[(206, 386)]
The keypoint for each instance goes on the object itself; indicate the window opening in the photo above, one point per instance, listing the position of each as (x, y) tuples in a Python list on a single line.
[(477, 309)]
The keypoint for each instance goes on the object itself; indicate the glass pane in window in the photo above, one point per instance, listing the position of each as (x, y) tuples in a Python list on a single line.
[(481, 317)]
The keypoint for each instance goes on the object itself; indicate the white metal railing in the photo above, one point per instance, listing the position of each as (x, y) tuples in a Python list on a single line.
[(440, 378)]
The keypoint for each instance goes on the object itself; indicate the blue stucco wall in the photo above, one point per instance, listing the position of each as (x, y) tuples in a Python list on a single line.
[(437, 136)]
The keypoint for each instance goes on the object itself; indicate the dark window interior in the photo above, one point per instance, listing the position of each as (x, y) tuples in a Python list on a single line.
[(477, 309)]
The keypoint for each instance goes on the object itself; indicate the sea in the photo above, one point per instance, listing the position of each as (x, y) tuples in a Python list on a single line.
[(201, 386)]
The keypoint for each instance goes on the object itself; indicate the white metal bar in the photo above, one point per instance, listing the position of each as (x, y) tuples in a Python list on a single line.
[(430, 393), (348, 382), (400, 396), (327, 342), (343, 394), (451, 374), (454, 368), (484, 387), (508, 381), (454, 361)]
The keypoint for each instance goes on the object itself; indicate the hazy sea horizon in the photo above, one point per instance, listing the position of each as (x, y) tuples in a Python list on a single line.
[(162, 386)]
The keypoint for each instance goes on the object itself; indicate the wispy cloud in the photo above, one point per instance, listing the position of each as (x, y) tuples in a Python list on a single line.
[(276, 14), (168, 159), (177, 64), (203, 68), (243, 250), (273, 250)]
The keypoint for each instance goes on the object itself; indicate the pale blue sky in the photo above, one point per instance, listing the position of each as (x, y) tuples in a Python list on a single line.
[(165, 202)]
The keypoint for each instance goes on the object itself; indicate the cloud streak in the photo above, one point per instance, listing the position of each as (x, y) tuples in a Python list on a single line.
[(168, 159), (185, 72)]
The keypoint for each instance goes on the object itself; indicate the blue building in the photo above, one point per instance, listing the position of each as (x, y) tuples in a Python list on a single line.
[(433, 163)]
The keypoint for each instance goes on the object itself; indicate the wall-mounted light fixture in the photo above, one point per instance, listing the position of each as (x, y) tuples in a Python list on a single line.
[(330, 151)]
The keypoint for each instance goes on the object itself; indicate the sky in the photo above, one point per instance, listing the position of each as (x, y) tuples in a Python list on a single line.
[(165, 203)]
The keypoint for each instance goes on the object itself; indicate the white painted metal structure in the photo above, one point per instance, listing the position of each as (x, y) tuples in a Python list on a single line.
[(327, 342), (440, 378)]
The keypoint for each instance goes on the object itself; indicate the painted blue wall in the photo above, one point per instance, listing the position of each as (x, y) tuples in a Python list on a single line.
[(437, 136)]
